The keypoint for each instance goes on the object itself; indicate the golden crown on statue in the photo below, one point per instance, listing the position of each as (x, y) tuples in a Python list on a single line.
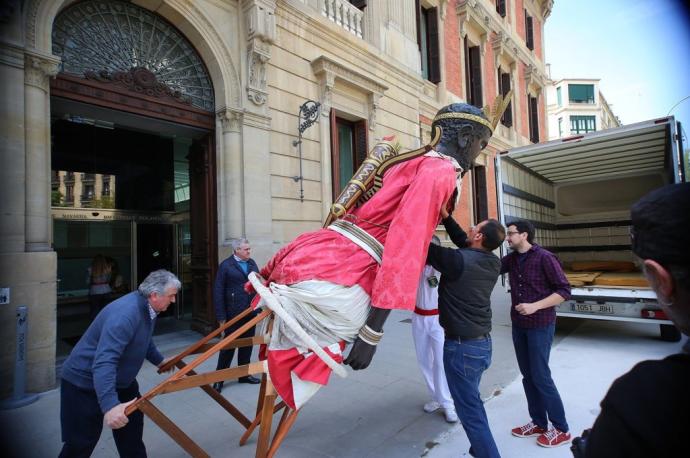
[(492, 112)]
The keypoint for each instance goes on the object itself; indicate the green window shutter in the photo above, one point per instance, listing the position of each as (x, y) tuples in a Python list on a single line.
[(581, 93), (559, 97)]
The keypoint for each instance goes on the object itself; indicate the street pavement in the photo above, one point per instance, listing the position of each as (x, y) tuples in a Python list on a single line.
[(376, 412)]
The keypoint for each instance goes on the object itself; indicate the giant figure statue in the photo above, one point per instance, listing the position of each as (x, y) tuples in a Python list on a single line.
[(338, 284)]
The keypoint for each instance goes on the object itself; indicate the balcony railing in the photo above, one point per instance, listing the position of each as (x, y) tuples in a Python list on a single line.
[(344, 14)]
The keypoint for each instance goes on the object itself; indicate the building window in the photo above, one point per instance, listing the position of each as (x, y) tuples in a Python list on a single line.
[(501, 7), (473, 74), (359, 4), (106, 187), (529, 31), (581, 93), (69, 193), (348, 149), (560, 127), (503, 89), (427, 40), (533, 114), (583, 124), (559, 97), (480, 194), (115, 36)]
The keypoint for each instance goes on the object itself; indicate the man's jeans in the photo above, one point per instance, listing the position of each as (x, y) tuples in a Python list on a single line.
[(465, 362), (532, 348)]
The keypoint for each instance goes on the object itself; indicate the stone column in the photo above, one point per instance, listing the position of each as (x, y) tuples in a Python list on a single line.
[(12, 149), (327, 83), (231, 197), (37, 70)]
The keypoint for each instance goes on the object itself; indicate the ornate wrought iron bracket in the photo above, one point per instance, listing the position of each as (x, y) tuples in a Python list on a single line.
[(308, 115)]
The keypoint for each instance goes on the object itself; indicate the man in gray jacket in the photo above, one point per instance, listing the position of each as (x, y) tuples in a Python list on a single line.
[(468, 275)]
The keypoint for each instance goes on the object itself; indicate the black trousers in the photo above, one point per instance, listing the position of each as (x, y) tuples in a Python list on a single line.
[(244, 354), (82, 422)]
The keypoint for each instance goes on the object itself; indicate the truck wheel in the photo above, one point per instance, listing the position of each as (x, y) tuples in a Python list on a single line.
[(669, 333)]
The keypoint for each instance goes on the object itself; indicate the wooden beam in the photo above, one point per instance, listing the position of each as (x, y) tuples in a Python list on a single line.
[(199, 360), (172, 430), (192, 349), (243, 342), (224, 403), (289, 417), (192, 381), (262, 442), (257, 421)]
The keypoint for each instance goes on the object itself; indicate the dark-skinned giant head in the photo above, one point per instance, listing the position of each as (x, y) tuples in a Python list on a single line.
[(465, 132)]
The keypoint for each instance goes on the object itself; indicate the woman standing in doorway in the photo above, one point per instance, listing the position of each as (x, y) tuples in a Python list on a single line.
[(99, 284)]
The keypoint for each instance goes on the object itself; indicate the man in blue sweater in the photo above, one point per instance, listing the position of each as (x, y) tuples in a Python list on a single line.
[(99, 376)]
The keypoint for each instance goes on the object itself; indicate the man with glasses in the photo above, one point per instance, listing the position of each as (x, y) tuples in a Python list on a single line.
[(537, 285)]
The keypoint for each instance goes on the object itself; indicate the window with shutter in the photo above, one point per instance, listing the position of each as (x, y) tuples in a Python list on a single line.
[(473, 74), (529, 31), (348, 149), (501, 7), (480, 197), (434, 52), (581, 93), (582, 124), (533, 114), (503, 89), (428, 42)]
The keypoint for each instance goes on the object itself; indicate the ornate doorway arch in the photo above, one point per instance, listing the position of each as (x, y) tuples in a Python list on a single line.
[(123, 57)]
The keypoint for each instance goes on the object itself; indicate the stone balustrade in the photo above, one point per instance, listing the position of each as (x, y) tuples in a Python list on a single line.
[(344, 14)]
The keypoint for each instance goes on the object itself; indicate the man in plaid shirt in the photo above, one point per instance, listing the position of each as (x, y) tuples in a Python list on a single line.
[(537, 285)]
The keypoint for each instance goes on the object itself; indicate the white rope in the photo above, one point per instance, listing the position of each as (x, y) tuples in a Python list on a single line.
[(272, 303)]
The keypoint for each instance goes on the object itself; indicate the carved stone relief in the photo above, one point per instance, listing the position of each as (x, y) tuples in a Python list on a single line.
[(328, 71), (38, 69), (261, 31), (230, 120)]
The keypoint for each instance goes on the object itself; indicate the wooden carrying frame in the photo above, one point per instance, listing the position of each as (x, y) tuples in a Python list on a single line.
[(186, 378)]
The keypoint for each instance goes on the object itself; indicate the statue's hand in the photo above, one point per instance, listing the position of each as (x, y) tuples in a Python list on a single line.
[(361, 355)]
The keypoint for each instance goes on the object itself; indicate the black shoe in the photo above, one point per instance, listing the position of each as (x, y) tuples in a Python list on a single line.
[(218, 386), (249, 379)]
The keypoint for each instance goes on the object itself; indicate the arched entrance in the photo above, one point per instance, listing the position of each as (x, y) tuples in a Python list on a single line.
[(132, 161)]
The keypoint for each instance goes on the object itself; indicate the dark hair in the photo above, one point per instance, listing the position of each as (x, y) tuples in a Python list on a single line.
[(659, 229), (523, 225), (494, 233), (453, 127)]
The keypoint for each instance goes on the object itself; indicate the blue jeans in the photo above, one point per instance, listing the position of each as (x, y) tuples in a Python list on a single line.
[(465, 363), (532, 348)]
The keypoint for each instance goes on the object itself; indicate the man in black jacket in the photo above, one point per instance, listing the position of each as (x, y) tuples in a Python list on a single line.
[(468, 275), (230, 299)]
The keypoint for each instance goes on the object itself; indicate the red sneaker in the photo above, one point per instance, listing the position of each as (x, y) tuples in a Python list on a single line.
[(553, 438), (528, 430)]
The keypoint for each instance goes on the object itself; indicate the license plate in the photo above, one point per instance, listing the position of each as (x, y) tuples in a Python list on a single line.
[(602, 309)]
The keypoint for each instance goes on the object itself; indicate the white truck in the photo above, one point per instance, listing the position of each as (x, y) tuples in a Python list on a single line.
[(578, 191)]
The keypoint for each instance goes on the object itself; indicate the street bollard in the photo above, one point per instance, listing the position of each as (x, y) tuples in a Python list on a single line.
[(19, 397)]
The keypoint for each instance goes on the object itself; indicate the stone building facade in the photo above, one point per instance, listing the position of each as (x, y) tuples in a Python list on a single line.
[(188, 113)]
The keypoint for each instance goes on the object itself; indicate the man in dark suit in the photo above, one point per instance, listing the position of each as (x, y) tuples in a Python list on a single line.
[(230, 299)]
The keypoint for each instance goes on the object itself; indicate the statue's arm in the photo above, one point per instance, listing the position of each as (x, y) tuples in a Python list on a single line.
[(362, 353)]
